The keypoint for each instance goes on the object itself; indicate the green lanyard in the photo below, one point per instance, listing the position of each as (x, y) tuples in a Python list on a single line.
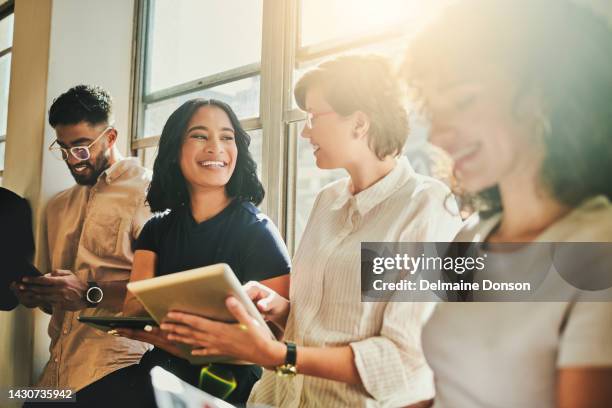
[(217, 381)]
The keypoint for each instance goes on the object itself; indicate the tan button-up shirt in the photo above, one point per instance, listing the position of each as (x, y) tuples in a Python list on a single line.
[(326, 306), (91, 231)]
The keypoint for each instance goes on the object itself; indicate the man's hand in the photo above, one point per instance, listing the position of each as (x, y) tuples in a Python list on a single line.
[(26, 297), (60, 288)]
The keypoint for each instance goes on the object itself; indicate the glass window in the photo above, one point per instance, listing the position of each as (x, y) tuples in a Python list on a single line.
[(147, 156), (310, 180), (5, 77), (256, 149), (329, 20), (2, 147), (6, 32), (242, 96), (188, 40), (191, 39), (6, 42)]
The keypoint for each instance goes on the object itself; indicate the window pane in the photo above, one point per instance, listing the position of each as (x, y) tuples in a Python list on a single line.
[(6, 32), (5, 77), (242, 96), (147, 156), (326, 20), (190, 39), (256, 149), (310, 180), (2, 145)]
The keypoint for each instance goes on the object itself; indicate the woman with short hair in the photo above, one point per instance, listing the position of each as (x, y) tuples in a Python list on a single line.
[(346, 352)]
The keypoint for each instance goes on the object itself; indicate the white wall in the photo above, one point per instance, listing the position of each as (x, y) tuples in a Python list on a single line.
[(91, 43)]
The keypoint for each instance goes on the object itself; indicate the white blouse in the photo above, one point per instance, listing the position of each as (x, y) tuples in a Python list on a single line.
[(507, 354), (326, 306)]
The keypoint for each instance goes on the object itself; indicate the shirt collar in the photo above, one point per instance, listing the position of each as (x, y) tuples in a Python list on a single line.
[(367, 199), (116, 170)]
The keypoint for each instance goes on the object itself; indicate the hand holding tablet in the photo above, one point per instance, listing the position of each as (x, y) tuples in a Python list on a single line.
[(110, 324), (201, 292)]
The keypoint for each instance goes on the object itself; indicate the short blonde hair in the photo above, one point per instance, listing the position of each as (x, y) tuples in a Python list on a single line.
[(363, 83)]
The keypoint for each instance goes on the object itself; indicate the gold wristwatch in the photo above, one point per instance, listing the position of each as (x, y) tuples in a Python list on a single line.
[(289, 369)]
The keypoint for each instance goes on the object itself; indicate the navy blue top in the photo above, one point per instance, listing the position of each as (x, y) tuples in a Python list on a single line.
[(241, 236)]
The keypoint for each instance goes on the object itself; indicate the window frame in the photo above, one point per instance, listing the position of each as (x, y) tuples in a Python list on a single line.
[(278, 119), (141, 59)]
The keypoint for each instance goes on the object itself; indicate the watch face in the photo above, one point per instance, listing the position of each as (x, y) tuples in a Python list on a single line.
[(94, 295)]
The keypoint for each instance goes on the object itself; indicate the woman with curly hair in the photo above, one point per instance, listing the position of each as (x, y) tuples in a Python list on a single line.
[(519, 93)]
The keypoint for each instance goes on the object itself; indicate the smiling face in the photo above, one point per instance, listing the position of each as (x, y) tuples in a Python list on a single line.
[(209, 152), (86, 172), (477, 121), (331, 136)]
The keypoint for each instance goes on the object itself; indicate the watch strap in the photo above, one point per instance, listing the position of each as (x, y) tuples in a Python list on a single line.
[(291, 357)]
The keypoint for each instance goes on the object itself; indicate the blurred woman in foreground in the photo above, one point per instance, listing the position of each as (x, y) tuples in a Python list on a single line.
[(520, 95)]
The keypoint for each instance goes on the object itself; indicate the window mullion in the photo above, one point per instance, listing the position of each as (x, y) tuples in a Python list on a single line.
[(277, 61)]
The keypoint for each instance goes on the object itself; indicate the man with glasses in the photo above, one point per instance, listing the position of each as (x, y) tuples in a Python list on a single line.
[(91, 229)]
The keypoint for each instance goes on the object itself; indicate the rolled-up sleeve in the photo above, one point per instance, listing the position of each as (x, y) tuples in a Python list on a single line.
[(392, 366)]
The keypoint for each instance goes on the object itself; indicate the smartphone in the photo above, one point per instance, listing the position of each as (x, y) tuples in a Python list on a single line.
[(31, 271)]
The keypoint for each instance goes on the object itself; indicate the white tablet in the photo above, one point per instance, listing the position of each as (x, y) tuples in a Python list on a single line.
[(200, 291)]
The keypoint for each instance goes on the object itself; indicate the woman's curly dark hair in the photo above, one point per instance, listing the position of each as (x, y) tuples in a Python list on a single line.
[(555, 47), (168, 189)]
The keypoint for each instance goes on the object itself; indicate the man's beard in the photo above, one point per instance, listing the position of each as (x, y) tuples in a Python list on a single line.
[(90, 176)]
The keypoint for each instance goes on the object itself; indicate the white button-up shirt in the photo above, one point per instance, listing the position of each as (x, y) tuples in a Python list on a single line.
[(326, 306)]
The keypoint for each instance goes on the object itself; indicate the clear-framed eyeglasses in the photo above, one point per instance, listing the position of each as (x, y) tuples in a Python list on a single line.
[(310, 117), (78, 152)]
